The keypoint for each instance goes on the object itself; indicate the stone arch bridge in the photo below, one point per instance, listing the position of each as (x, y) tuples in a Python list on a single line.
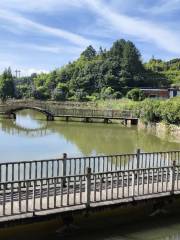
[(56, 109)]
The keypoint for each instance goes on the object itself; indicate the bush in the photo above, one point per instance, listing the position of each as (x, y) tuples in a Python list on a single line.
[(170, 111), (80, 95), (136, 94), (150, 110), (41, 93), (61, 92), (109, 93)]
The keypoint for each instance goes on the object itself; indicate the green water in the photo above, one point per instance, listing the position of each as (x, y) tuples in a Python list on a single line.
[(32, 137)]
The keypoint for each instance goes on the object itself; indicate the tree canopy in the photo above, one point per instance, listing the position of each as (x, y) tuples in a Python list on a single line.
[(96, 74), (6, 85)]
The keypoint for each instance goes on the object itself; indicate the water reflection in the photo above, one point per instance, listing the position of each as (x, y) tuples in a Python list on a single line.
[(30, 120), (30, 136)]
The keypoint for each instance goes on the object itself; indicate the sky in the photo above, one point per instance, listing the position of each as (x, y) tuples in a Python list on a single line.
[(42, 35)]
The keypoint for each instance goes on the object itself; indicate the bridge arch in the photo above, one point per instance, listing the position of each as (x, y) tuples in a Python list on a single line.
[(12, 112)]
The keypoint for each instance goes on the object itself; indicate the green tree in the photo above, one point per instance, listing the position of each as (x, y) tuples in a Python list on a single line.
[(61, 92), (118, 68), (109, 93), (41, 93), (7, 89), (136, 94), (89, 53)]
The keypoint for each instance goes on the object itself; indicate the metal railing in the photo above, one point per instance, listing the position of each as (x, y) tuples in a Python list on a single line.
[(44, 194), (66, 166)]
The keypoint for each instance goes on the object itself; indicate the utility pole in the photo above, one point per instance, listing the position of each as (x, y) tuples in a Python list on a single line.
[(18, 73)]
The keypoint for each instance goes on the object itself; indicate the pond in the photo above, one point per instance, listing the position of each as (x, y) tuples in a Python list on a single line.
[(31, 137)]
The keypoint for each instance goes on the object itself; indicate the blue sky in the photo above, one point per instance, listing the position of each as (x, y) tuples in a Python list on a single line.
[(40, 35)]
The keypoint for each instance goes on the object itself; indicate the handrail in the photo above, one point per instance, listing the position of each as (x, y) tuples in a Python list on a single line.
[(66, 166), (23, 197)]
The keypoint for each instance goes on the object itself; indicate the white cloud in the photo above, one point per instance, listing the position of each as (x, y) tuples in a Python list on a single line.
[(40, 5), (28, 25), (24, 71), (137, 27), (165, 6), (54, 49), (29, 71), (48, 48)]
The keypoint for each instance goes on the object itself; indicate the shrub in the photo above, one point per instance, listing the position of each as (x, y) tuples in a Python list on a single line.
[(41, 93), (170, 111), (136, 94), (109, 93), (61, 92), (150, 110)]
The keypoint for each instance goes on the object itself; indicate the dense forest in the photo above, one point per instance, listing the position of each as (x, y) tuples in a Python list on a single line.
[(94, 75)]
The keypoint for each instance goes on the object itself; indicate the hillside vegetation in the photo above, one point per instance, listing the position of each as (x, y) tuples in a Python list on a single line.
[(170, 69), (103, 74)]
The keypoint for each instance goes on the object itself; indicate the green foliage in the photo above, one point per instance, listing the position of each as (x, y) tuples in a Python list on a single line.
[(6, 85), (41, 93), (136, 94), (103, 74), (61, 92), (170, 69), (109, 93), (89, 53), (23, 91), (150, 110), (170, 112), (156, 110), (80, 95)]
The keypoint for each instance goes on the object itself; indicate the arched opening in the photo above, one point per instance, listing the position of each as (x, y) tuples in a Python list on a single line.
[(14, 112)]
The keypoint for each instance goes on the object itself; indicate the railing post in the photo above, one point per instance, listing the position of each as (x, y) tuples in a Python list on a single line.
[(88, 187), (133, 184), (173, 177), (138, 157), (64, 168)]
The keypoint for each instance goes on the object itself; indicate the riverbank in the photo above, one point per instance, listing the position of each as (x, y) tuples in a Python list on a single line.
[(160, 117), (161, 130)]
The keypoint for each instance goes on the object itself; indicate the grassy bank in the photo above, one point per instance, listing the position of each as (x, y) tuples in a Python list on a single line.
[(149, 110)]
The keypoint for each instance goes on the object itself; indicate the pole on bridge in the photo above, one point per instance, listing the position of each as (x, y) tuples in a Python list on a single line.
[(64, 168), (88, 187), (138, 157)]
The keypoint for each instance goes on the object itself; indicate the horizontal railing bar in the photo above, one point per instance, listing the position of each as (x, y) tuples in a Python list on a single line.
[(88, 157), (43, 179), (92, 174)]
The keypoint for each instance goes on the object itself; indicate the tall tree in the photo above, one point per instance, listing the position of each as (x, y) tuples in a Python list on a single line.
[(89, 53), (7, 89)]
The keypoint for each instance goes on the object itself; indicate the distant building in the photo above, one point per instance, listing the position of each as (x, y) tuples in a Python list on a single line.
[(173, 92), (155, 92), (161, 93)]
